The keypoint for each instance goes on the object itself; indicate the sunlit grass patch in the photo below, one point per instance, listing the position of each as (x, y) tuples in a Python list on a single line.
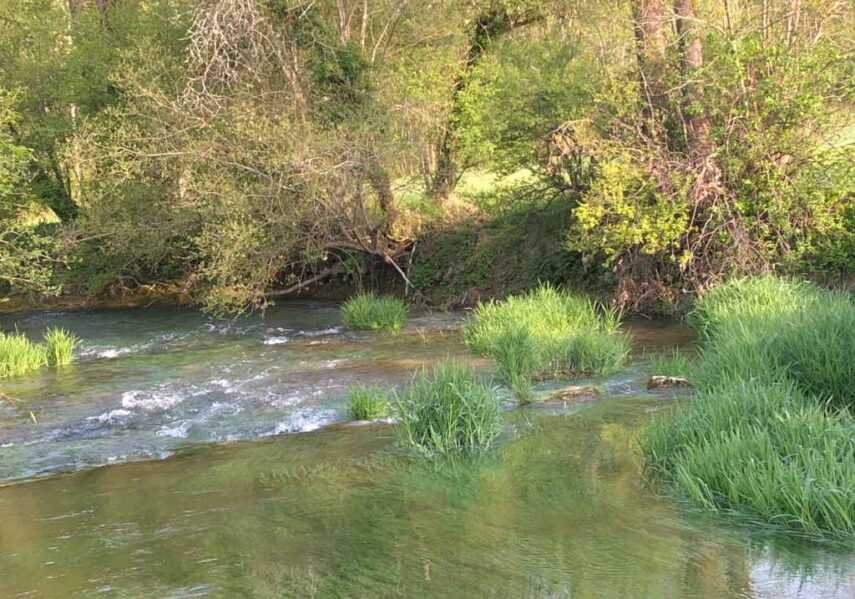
[(448, 408), (59, 346), (368, 311), (19, 355), (547, 333), (368, 403), (675, 362), (762, 448), (772, 432)]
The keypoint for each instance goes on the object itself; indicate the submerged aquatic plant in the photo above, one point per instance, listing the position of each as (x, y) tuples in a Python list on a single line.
[(59, 345), (547, 333), (368, 311), (368, 403), (448, 408), (19, 355), (771, 432)]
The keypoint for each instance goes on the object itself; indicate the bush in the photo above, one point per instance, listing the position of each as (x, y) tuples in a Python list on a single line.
[(547, 333), (448, 409), (368, 311), (59, 345), (368, 403), (763, 448), (19, 355)]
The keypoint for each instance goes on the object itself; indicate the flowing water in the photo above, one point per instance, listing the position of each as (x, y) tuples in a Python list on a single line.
[(238, 508)]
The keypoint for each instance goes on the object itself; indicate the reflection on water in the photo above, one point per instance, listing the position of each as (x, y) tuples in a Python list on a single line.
[(557, 510)]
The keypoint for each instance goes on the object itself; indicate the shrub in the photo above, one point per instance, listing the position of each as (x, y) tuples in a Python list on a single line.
[(59, 345), (546, 332), (19, 355), (448, 409), (368, 403), (763, 448), (368, 311)]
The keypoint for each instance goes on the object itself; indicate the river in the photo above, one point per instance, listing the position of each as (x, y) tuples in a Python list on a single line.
[(185, 456)]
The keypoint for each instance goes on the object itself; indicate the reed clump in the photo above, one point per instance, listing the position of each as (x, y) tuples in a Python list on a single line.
[(547, 333), (368, 403), (448, 408), (771, 431), (372, 312), (19, 355)]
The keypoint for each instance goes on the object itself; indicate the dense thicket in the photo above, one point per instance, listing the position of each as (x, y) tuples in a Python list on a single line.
[(244, 145)]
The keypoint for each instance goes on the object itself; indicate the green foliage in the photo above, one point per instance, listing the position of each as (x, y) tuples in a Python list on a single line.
[(773, 329), (516, 244), (673, 363), (762, 448), (368, 403), (19, 355), (546, 332), (448, 409), (771, 431), (370, 312), (59, 346)]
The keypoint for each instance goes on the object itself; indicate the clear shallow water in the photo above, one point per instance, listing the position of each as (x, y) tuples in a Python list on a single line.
[(557, 510)]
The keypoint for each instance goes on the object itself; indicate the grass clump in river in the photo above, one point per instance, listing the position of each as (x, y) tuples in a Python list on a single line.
[(59, 346), (771, 431), (369, 311), (764, 448), (19, 355), (368, 403), (446, 409), (547, 333), (673, 363)]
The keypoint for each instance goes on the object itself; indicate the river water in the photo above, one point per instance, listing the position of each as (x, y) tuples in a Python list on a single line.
[(183, 456)]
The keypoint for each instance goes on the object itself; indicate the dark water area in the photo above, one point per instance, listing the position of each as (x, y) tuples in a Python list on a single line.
[(183, 456)]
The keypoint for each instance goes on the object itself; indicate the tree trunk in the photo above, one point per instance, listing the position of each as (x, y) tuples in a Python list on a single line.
[(489, 26), (648, 18)]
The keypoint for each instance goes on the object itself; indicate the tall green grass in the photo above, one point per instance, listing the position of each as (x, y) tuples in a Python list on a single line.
[(762, 448), (772, 431), (368, 311), (19, 355), (447, 409), (672, 363), (547, 333), (368, 403), (59, 346)]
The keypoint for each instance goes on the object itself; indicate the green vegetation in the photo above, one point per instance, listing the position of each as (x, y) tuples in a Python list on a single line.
[(368, 403), (370, 312), (547, 333), (448, 409), (59, 345), (771, 431), (465, 152), (673, 363), (19, 355)]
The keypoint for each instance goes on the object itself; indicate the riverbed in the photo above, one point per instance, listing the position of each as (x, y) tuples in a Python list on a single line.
[(186, 456)]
